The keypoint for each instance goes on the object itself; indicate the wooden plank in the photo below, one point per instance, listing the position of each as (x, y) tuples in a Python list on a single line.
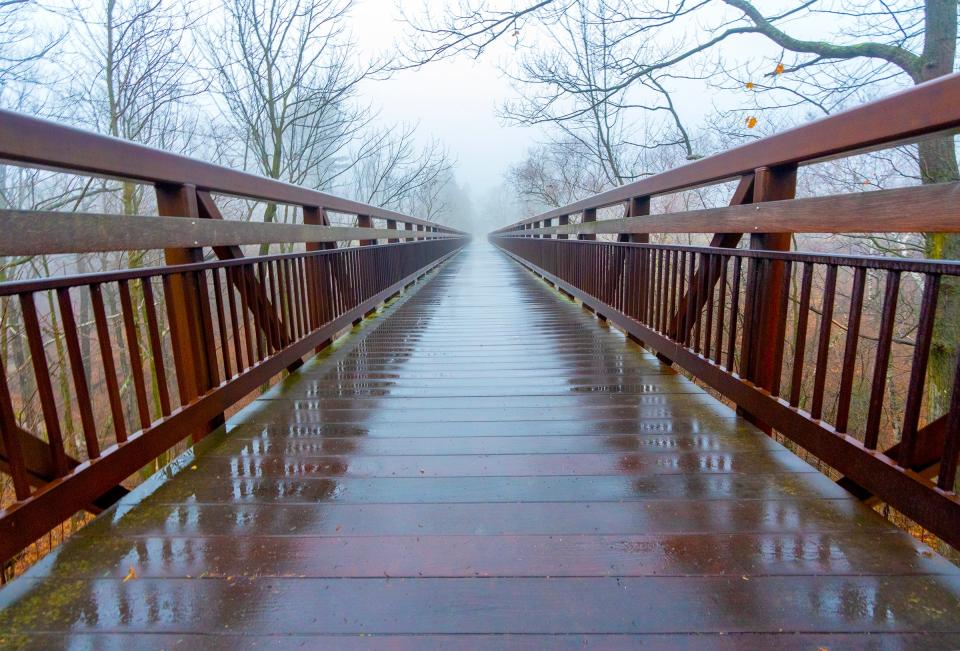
[(496, 605)]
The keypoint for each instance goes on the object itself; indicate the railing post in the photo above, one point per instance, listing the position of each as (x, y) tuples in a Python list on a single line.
[(637, 207), (316, 216), (392, 225), (763, 334), (563, 220), (589, 215), (189, 337), (365, 221), (408, 226)]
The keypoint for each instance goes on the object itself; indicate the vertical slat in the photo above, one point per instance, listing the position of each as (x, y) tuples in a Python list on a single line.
[(918, 370), (251, 314), (183, 390), (11, 442), (708, 284), (285, 295), (48, 405), (221, 322), (267, 324), (947, 473), (671, 296), (850, 350), (80, 387), (721, 308), (880, 366), (823, 342), (750, 315), (106, 358), (734, 313), (133, 350), (231, 295), (156, 347), (780, 328), (206, 326), (800, 340)]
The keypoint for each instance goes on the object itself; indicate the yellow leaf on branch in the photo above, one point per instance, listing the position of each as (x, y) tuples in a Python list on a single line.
[(779, 69), (751, 122), (132, 574), (749, 85)]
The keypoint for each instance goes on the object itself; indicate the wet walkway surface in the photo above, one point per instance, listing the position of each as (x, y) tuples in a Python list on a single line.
[(486, 465)]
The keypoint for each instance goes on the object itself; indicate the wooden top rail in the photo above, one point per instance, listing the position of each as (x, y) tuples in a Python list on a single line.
[(925, 109), (932, 208), (42, 143), (40, 232)]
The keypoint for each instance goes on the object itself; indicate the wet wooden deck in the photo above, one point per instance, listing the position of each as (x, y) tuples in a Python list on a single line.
[(486, 465)]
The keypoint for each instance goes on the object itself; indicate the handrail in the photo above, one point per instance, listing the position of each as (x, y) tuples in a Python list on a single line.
[(922, 110), (41, 143), (42, 232)]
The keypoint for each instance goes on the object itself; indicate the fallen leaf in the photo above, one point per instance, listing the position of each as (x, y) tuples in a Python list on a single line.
[(132, 574)]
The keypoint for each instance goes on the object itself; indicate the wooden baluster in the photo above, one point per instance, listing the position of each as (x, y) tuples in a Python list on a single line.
[(231, 297), (723, 267), (11, 442), (947, 473), (41, 371), (133, 351), (750, 316), (780, 331), (823, 343), (800, 339), (246, 276), (156, 347), (918, 371), (106, 358), (880, 366), (206, 325), (850, 350), (222, 322), (80, 387), (709, 282), (734, 314)]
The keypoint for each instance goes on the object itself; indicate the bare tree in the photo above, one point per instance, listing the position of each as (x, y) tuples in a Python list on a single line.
[(283, 71), (393, 173), (136, 80)]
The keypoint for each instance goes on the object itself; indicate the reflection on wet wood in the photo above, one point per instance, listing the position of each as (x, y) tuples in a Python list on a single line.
[(485, 465)]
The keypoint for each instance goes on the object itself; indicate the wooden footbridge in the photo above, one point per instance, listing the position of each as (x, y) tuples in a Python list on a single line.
[(485, 444)]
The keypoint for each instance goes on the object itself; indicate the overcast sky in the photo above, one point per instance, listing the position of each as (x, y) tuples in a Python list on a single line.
[(454, 101)]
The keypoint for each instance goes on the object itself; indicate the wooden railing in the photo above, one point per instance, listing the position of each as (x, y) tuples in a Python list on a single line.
[(194, 337), (788, 336)]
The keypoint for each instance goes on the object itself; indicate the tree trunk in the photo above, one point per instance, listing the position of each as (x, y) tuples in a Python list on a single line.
[(938, 164)]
